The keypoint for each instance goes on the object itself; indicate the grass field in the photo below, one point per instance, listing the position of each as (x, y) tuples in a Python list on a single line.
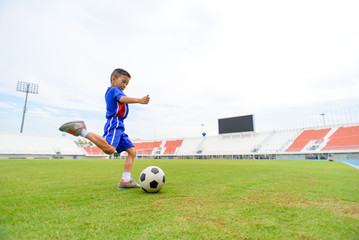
[(202, 199)]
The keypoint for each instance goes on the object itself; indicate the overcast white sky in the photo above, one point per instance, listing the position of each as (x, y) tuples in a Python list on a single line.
[(283, 61)]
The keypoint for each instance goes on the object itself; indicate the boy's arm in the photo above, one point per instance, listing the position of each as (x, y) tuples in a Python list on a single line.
[(143, 100)]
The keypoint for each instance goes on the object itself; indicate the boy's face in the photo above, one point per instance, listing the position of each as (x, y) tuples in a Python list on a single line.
[(121, 82)]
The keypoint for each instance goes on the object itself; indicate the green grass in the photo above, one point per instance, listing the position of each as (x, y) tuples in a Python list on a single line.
[(202, 199)]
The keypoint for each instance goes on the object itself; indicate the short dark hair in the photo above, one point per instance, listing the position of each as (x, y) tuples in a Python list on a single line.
[(118, 72)]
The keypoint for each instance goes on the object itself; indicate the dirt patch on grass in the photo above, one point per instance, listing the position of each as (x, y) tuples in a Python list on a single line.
[(339, 207), (218, 224), (277, 198), (303, 236), (210, 221), (165, 201)]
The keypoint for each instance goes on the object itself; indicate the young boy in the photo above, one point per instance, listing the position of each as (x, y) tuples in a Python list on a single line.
[(114, 138)]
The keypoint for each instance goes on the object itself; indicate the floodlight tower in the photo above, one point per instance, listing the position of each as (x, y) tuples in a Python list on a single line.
[(28, 88)]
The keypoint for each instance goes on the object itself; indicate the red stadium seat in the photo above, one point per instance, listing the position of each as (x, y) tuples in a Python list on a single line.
[(143, 148), (305, 137), (171, 146), (345, 138)]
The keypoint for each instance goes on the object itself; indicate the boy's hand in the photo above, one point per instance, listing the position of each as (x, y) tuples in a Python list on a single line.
[(145, 99)]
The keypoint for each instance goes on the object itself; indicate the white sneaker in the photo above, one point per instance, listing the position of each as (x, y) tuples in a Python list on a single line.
[(129, 184), (74, 127)]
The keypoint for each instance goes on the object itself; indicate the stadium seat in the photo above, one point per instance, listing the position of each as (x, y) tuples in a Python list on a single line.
[(345, 138), (305, 137), (171, 146), (146, 148)]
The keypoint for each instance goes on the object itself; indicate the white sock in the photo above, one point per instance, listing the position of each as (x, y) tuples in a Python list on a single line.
[(84, 132), (126, 176)]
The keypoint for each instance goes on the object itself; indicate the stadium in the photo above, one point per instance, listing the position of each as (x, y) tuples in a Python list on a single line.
[(244, 118), (316, 143)]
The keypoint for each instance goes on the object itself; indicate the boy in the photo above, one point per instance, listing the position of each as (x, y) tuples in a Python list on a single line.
[(114, 138)]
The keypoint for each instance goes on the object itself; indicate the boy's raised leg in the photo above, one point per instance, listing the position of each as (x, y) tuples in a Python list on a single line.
[(78, 128), (101, 143)]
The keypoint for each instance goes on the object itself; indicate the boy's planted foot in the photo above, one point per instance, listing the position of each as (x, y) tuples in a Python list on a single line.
[(74, 127), (129, 184)]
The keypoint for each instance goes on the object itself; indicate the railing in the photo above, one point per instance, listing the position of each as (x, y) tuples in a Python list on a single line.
[(348, 147)]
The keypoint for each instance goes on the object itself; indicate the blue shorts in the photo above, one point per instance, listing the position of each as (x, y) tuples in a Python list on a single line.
[(115, 135)]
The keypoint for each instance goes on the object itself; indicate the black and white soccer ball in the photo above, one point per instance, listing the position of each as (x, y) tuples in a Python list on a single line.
[(152, 179)]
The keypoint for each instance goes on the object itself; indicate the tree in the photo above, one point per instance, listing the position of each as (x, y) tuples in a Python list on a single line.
[(84, 143)]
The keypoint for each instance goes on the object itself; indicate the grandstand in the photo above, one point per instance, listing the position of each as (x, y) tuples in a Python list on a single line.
[(296, 144), (22, 145)]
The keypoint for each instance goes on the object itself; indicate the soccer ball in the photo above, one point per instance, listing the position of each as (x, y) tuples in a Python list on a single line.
[(152, 179)]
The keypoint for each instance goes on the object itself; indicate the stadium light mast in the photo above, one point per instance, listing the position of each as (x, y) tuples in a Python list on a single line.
[(323, 118), (203, 133), (28, 88)]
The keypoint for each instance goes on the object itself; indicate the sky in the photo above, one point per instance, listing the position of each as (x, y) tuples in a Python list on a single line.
[(285, 62)]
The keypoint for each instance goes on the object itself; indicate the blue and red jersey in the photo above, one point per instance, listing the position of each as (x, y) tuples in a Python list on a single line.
[(116, 112), (113, 105)]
